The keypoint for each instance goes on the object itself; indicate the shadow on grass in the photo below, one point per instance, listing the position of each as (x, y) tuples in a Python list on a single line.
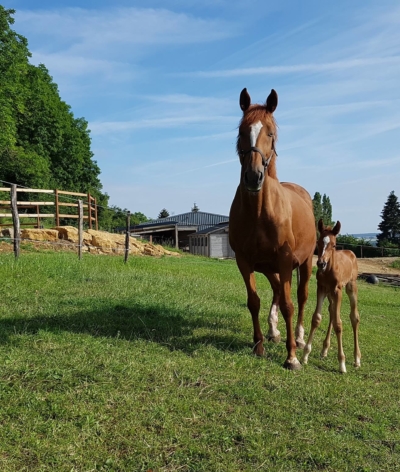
[(169, 327)]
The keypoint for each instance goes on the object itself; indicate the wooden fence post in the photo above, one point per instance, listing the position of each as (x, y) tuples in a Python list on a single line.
[(95, 214), (57, 207), (89, 203), (80, 228), (176, 236), (15, 217), (127, 236)]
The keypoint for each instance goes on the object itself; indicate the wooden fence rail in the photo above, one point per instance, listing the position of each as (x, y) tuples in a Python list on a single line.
[(89, 206)]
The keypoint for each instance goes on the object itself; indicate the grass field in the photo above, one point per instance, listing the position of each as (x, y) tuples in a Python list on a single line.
[(148, 366)]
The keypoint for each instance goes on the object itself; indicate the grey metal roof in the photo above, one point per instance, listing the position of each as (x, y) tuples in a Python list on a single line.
[(209, 230), (200, 219)]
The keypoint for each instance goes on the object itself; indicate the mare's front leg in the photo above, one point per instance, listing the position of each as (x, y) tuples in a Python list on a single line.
[(305, 271), (286, 306), (253, 303), (273, 332), (316, 321)]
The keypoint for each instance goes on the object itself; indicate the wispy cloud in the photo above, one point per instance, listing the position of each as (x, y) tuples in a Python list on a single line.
[(101, 31), (167, 122), (298, 68)]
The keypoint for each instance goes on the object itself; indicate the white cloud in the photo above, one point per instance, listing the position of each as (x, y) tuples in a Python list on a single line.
[(299, 68), (101, 31)]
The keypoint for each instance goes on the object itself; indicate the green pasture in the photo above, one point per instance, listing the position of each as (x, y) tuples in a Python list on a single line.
[(147, 367)]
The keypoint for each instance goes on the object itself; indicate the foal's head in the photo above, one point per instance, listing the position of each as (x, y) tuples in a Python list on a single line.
[(326, 243), (256, 140)]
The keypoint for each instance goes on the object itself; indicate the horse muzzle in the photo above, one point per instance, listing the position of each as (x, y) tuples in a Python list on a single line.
[(253, 180), (321, 265)]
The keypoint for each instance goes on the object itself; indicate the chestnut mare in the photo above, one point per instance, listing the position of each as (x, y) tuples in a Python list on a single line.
[(271, 227), (336, 269)]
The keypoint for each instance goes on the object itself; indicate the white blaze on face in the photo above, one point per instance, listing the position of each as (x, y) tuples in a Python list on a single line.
[(326, 241), (255, 129)]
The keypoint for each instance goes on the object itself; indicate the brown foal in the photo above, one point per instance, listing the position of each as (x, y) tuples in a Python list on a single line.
[(336, 269)]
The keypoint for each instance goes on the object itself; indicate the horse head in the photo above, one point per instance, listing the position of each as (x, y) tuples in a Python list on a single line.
[(326, 243), (256, 140)]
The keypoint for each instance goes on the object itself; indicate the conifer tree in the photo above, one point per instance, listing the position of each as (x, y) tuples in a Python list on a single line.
[(390, 224), (164, 213)]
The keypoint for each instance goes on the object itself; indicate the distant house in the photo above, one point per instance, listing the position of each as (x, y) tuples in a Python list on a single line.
[(176, 230)]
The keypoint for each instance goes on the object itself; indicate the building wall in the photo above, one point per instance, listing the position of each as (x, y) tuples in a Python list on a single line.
[(211, 245), (219, 246), (199, 245)]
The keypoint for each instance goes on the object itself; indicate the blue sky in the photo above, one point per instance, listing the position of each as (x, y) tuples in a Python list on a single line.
[(159, 84)]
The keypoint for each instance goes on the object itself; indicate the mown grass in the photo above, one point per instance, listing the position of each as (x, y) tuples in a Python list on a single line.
[(148, 366)]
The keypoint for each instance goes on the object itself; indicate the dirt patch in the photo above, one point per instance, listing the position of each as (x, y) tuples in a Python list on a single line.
[(376, 265)]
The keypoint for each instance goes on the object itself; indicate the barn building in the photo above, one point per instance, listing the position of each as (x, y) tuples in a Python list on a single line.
[(211, 242), (196, 232)]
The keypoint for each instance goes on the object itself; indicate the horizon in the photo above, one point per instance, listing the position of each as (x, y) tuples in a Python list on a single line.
[(159, 84)]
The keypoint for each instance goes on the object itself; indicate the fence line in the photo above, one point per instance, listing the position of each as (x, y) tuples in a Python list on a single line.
[(90, 205)]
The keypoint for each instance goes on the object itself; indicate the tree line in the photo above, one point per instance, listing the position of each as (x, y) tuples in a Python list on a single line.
[(389, 227), (43, 145)]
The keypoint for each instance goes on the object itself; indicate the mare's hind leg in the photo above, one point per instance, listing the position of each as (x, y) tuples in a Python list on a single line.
[(253, 303), (352, 291), (273, 332), (305, 271)]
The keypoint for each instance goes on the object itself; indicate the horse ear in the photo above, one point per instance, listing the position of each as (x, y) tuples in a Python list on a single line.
[(244, 100), (272, 101), (321, 226), (336, 228)]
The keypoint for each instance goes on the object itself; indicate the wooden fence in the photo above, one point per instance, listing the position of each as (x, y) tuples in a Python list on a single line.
[(89, 206)]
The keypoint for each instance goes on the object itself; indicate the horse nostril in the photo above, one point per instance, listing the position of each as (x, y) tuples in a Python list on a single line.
[(260, 177)]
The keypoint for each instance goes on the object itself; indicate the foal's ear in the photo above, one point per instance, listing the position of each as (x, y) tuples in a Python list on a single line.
[(272, 101), (321, 226), (244, 100), (336, 228)]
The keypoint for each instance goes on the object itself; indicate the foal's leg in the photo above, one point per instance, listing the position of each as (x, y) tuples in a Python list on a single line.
[(305, 271), (273, 332), (352, 291), (316, 321), (327, 341), (253, 303), (337, 326)]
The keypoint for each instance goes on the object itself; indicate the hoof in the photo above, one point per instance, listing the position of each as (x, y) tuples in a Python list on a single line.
[(258, 350), (292, 365), (274, 339)]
